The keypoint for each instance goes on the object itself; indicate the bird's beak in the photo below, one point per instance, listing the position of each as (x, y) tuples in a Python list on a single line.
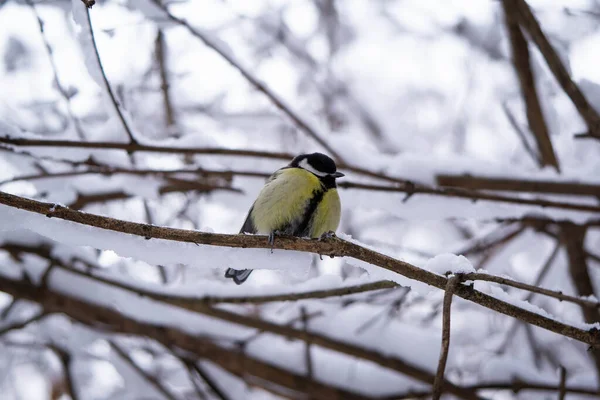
[(337, 175)]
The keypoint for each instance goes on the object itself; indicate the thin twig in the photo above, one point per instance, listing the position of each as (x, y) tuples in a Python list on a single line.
[(151, 380), (477, 276), (438, 383), (109, 90), (63, 92), (517, 127), (212, 384), (22, 324), (254, 81)]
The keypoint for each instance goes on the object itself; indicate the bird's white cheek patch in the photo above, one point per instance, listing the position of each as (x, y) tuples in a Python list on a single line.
[(305, 165)]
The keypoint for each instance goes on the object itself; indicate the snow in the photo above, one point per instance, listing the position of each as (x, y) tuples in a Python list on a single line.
[(449, 263), (154, 251)]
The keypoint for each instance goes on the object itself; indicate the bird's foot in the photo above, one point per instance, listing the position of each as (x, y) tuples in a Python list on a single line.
[(327, 235), (272, 238)]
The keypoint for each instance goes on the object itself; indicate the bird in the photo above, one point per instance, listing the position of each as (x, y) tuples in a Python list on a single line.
[(300, 199)]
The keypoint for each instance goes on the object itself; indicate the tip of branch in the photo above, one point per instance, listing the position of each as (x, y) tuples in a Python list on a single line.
[(88, 3)]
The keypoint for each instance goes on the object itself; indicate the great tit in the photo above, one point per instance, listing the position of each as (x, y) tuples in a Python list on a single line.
[(300, 199)]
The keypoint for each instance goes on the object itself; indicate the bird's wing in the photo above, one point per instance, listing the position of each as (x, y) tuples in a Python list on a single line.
[(248, 226), (281, 204)]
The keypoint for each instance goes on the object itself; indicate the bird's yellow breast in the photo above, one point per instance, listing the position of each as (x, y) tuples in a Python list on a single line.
[(283, 199), (327, 215)]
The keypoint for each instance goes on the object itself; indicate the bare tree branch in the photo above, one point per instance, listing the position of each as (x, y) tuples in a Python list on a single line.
[(333, 247), (108, 88), (254, 81), (518, 185), (535, 115), (235, 362), (151, 380), (453, 281), (573, 237), (530, 24)]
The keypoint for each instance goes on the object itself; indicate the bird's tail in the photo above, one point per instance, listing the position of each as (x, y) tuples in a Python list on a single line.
[(238, 276)]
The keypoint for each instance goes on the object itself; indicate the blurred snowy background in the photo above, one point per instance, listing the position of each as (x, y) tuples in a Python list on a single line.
[(421, 91)]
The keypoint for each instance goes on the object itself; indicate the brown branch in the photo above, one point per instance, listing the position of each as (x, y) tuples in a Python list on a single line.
[(518, 185), (254, 81), (210, 382), (453, 281), (233, 361), (393, 363), (562, 392), (162, 173), (66, 360), (520, 58), (515, 387), (411, 189), (333, 247), (531, 288), (109, 90), (83, 200), (528, 21), (573, 237), (517, 127), (134, 147), (151, 380), (407, 187), (22, 324), (63, 92), (160, 50), (44, 251)]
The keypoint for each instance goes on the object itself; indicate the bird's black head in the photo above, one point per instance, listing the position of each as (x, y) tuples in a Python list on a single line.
[(320, 165)]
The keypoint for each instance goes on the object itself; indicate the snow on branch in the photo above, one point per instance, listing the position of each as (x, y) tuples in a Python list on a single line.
[(334, 247)]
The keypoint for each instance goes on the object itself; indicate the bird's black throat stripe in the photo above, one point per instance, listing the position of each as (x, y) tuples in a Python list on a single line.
[(301, 231)]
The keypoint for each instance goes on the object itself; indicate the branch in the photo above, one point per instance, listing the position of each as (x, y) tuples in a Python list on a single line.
[(516, 126), (535, 116), (160, 47), (407, 187), (151, 380), (44, 251), (133, 147), (411, 188), (333, 247), (393, 363), (233, 361), (254, 81), (22, 324), (453, 281), (63, 92), (113, 99), (534, 289), (515, 387), (193, 366), (518, 185), (66, 360), (573, 237), (530, 23)]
